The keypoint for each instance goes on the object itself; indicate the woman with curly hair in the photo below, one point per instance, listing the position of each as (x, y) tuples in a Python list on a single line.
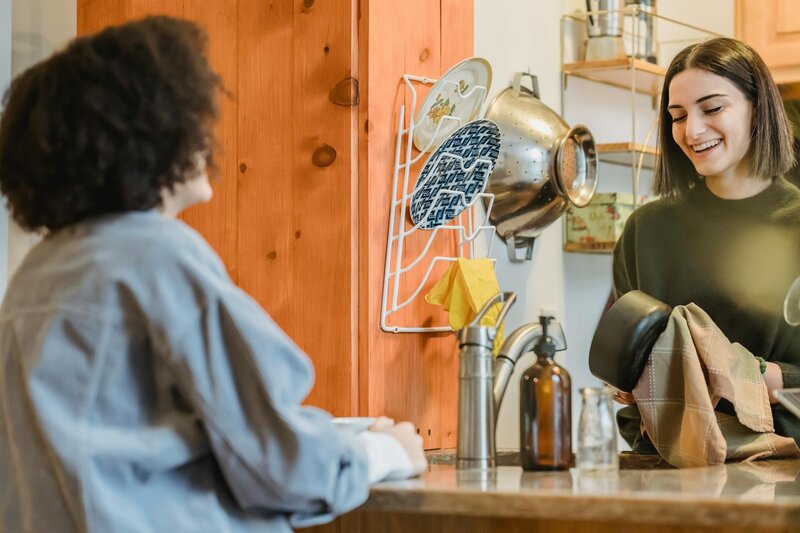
[(140, 389)]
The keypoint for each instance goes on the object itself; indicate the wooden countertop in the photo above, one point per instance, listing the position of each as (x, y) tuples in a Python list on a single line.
[(763, 494)]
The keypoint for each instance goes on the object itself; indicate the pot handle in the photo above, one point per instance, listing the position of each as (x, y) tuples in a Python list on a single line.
[(517, 85)]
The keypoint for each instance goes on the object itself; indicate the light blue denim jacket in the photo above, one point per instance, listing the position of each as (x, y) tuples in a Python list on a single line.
[(141, 390)]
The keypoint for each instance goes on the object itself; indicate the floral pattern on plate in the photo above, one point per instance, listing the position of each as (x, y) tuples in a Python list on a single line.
[(451, 97)]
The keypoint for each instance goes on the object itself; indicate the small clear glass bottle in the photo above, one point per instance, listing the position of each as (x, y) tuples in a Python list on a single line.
[(545, 410), (597, 432)]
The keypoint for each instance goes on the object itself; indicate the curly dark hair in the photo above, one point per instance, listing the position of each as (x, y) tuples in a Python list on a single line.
[(104, 125)]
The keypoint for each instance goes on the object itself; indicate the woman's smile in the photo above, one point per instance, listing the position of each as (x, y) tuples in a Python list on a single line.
[(706, 146)]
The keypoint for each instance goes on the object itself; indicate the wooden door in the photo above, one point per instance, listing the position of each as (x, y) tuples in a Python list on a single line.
[(297, 177), (283, 225), (772, 27), (410, 376)]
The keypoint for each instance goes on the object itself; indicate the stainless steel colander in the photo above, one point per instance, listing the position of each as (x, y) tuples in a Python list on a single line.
[(543, 166)]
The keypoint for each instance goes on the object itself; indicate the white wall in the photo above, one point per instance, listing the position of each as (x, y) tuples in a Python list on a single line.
[(37, 29), (517, 35), (5, 79)]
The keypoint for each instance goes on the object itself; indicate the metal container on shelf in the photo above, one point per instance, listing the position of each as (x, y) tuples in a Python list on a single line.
[(604, 28), (644, 46), (543, 166), (608, 18)]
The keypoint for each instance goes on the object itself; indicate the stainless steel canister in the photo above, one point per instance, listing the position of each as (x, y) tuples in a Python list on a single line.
[(608, 23)]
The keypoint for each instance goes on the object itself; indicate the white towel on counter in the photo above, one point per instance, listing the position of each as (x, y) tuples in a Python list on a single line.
[(387, 459)]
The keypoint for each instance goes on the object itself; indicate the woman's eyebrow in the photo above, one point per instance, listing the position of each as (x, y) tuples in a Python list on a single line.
[(699, 100)]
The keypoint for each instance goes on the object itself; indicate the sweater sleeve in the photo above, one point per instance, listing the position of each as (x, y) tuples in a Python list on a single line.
[(791, 375)]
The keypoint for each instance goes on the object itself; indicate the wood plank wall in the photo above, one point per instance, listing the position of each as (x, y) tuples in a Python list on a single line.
[(283, 226), (309, 242), (407, 376), (296, 253)]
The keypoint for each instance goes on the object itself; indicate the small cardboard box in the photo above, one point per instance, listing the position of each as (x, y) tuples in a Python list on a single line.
[(598, 226)]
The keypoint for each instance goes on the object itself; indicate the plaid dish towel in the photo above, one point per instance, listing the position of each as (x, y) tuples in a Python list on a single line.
[(691, 367)]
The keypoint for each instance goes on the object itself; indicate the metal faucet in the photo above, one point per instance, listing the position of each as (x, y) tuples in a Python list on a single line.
[(482, 379)]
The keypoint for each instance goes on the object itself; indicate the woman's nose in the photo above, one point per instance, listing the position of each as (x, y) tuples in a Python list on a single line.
[(695, 126)]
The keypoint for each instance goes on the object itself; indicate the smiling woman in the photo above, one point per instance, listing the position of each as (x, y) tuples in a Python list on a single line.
[(711, 123), (720, 77), (726, 233)]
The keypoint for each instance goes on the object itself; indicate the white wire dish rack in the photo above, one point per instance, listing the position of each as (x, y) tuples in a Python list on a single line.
[(407, 249)]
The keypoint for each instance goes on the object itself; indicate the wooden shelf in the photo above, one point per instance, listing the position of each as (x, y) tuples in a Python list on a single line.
[(620, 154), (617, 72)]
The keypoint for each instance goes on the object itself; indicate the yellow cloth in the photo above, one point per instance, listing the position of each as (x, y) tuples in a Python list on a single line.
[(464, 288)]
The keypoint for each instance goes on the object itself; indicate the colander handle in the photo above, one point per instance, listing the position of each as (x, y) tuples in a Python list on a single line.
[(517, 86), (513, 242)]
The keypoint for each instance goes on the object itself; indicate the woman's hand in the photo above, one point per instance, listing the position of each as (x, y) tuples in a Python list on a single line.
[(625, 398), (773, 377), (382, 422)]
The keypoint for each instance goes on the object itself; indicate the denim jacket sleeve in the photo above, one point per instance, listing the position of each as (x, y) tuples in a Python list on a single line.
[(247, 380)]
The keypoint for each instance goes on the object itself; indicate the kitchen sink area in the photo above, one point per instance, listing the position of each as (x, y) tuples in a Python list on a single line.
[(627, 460)]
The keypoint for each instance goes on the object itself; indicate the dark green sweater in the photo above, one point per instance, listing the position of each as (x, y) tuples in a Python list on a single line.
[(735, 259)]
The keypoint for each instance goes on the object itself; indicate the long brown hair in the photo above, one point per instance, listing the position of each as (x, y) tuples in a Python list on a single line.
[(771, 147)]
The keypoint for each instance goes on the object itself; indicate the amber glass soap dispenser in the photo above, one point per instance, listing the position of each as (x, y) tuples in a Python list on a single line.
[(545, 417)]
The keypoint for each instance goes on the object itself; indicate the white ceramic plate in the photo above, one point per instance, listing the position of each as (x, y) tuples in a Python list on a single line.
[(429, 207), (354, 424), (444, 100)]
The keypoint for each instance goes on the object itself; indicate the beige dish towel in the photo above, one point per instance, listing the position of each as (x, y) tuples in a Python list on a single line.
[(691, 367)]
